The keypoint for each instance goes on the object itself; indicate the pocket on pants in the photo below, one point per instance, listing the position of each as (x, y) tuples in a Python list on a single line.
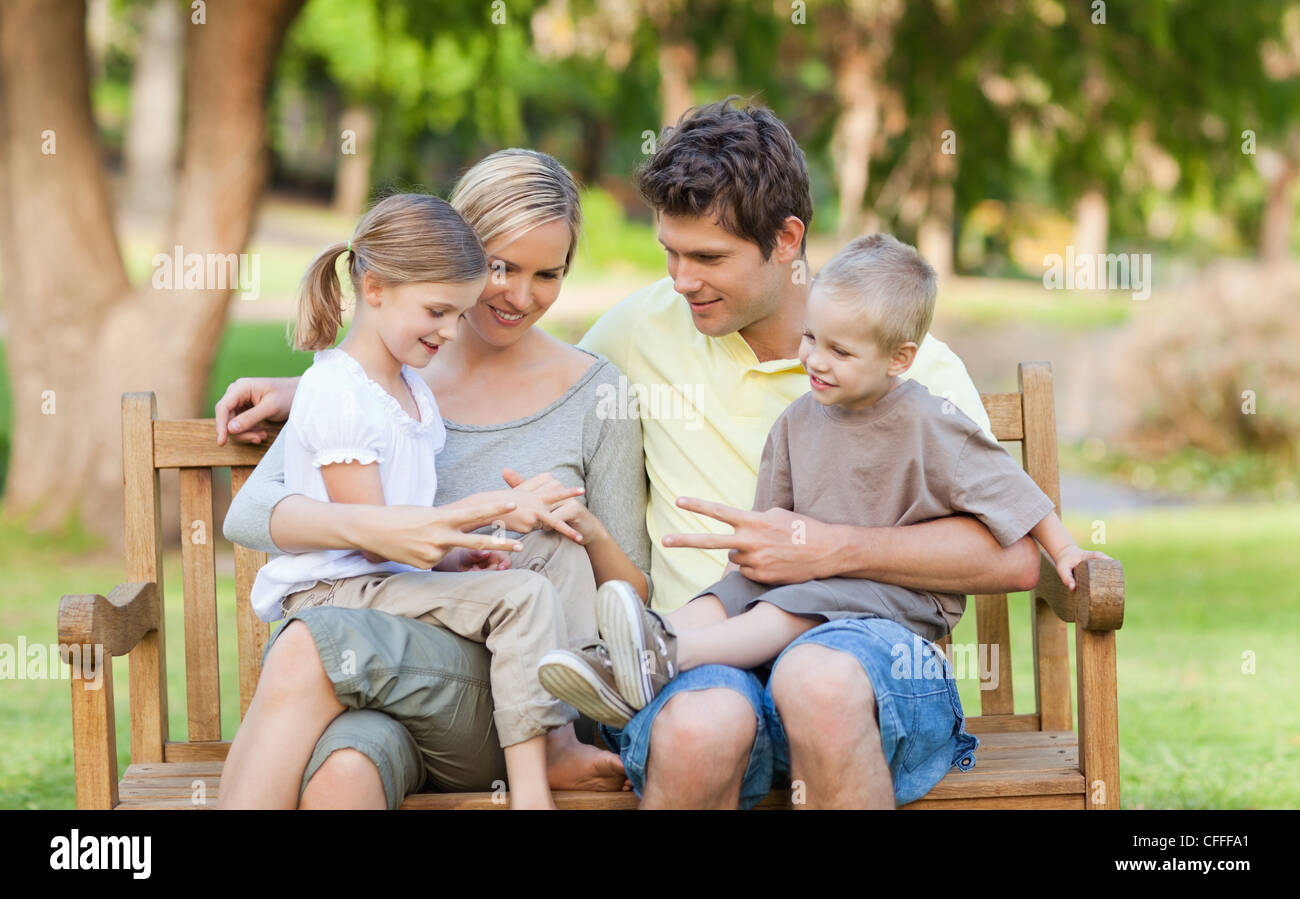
[(935, 716), (320, 594)]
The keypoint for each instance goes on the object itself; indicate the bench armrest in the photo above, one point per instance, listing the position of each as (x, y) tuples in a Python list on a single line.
[(117, 621), (1096, 603)]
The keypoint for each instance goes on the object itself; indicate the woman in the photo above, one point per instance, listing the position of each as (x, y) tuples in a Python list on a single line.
[(514, 399)]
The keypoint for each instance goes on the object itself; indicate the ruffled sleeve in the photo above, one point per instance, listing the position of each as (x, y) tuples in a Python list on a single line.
[(332, 415)]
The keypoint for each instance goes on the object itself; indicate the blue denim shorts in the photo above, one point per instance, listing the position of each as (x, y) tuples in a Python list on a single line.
[(922, 727), (632, 743)]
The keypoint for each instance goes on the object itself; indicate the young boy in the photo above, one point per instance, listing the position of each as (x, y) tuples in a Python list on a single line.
[(862, 447)]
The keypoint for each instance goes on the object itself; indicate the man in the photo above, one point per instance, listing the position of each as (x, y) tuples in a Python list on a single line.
[(731, 194)]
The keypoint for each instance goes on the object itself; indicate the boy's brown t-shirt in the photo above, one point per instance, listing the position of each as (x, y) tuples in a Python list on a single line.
[(908, 458)]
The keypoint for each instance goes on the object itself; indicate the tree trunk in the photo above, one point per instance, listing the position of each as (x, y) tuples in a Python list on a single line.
[(352, 178), (861, 40), (79, 335), (677, 63), (99, 27), (591, 155), (153, 133), (1275, 226), (855, 131), (935, 236), (63, 273), (1091, 223)]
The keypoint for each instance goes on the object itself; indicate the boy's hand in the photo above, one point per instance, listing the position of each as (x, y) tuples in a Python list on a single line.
[(462, 559), (1070, 557)]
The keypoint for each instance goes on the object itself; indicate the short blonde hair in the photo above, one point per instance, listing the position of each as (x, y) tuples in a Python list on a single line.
[(894, 285), (516, 190)]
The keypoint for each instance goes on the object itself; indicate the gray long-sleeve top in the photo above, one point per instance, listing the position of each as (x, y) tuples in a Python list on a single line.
[(570, 438)]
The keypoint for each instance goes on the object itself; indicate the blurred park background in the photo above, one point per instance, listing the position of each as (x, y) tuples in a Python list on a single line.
[(990, 133)]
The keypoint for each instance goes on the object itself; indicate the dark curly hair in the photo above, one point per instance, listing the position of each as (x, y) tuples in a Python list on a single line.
[(740, 164)]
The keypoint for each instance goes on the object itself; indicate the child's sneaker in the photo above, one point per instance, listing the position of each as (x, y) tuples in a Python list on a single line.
[(641, 644), (584, 678)]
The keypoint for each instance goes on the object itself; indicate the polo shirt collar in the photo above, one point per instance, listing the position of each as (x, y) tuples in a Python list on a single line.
[(739, 350)]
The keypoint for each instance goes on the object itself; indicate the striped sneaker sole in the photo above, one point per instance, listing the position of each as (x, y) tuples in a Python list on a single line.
[(618, 611), (569, 678)]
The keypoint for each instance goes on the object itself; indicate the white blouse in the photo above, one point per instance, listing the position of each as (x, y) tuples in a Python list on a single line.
[(340, 415)]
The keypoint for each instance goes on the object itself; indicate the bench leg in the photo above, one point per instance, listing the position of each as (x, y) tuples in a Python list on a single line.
[(94, 738)]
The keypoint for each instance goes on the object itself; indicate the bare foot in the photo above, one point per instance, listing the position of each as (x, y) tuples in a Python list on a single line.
[(571, 765)]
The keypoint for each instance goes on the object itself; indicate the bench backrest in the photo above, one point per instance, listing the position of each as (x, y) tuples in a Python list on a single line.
[(150, 445)]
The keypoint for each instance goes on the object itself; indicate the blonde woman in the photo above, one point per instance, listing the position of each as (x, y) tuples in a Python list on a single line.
[(410, 708)]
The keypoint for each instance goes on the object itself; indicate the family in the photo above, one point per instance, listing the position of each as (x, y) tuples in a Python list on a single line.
[(719, 593)]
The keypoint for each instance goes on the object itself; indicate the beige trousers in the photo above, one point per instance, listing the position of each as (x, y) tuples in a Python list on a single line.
[(546, 601)]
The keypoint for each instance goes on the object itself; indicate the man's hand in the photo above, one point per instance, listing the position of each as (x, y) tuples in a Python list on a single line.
[(248, 403), (772, 547)]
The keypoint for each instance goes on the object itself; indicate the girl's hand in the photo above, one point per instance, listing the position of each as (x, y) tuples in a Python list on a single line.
[(421, 536), (578, 516), (1069, 558), (535, 497), (462, 559)]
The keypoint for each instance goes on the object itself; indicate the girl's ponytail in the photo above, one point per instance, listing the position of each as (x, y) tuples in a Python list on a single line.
[(402, 239), (320, 302)]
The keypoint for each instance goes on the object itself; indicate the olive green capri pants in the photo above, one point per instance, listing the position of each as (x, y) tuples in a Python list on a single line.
[(418, 697)]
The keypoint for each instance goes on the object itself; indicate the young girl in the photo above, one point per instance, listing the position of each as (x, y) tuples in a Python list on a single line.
[(365, 428)]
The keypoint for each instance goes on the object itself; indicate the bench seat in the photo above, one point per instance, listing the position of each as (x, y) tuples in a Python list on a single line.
[(1029, 769)]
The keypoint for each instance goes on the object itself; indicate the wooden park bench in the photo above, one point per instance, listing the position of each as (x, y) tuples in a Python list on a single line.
[(1028, 760)]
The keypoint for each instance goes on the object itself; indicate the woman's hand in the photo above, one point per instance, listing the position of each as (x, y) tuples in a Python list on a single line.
[(462, 559), (422, 537), (250, 401), (535, 497)]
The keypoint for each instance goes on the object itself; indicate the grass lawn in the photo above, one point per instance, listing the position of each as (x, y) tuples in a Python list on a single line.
[(1206, 586)]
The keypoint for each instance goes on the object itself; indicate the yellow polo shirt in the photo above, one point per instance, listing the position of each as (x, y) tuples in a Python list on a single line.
[(706, 405)]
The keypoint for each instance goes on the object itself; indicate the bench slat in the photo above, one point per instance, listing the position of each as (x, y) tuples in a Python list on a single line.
[(993, 628), (1050, 634), (992, 724), (142, 536), (1005, 415), (198, 564), (215, 750), (192, 443), (251, 632)]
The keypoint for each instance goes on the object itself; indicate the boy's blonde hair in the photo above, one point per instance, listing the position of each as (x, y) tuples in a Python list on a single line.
[(516, 190), (894, 285), (403, 238)]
